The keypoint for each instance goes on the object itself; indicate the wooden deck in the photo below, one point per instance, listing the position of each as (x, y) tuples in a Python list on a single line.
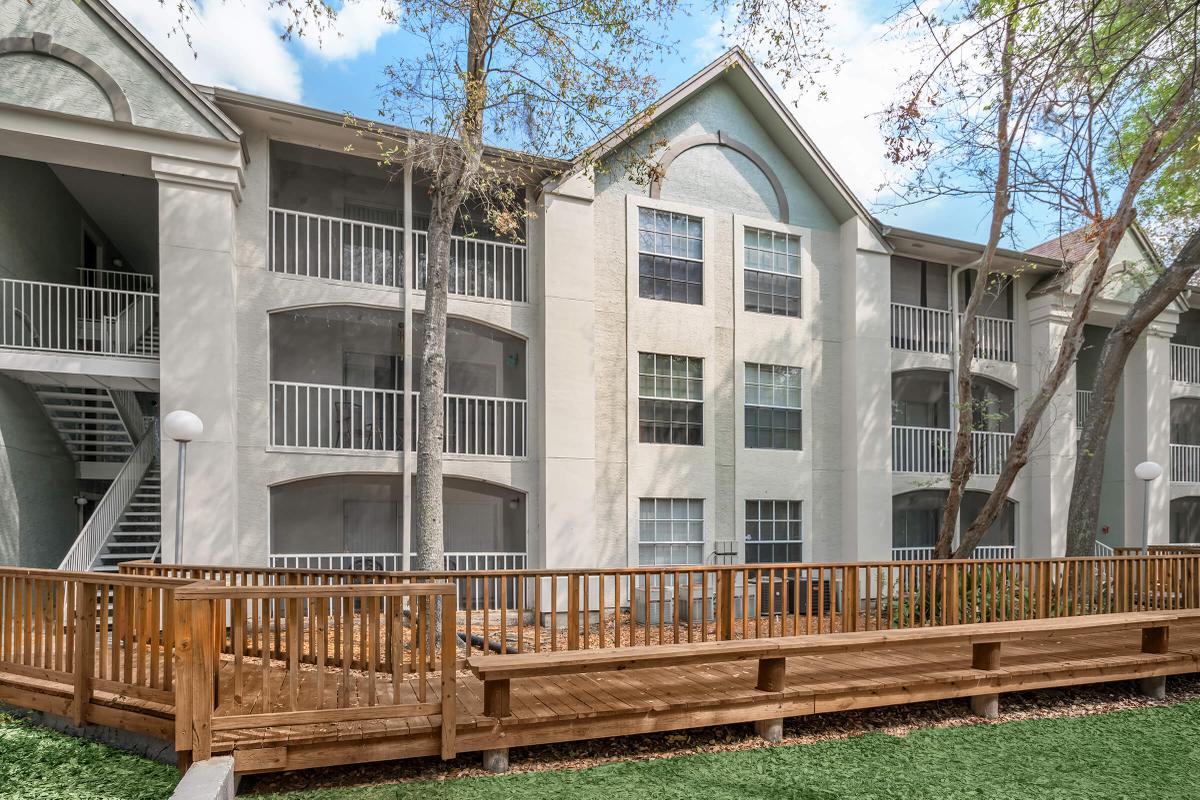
[(590, 706)]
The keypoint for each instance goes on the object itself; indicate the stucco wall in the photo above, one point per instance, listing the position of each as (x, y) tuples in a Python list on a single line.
[(40, 81), (39, 240)]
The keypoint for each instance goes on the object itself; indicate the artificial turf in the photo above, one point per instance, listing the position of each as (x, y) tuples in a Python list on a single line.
[(1145, 753), (41, 764)]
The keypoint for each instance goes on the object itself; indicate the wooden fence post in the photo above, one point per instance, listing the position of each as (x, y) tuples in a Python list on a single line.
[(184, 644), (449, 679), (724, 605), (85, 650), (203, 666), (850, 598), (573, 611)]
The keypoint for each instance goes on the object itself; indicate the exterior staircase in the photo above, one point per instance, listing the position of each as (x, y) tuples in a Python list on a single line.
[(89, 422), (138, 534)]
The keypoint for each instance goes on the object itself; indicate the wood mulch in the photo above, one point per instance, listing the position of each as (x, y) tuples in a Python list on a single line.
[(893, 720)]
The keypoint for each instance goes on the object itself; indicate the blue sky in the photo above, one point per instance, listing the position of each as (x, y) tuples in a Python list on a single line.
[(236, 44)]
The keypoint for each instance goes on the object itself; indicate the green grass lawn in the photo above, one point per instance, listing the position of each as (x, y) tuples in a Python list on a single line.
[(1148, 753), (41, 764)]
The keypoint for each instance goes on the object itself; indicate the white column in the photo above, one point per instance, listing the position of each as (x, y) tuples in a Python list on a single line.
[(1051, 464), (198, 333), (1148, 432), (566, 429), (408, 464), (866, 399)]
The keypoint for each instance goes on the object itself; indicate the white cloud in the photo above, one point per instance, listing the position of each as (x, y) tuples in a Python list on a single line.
[(234, 44), (845, 127), (358, 28)]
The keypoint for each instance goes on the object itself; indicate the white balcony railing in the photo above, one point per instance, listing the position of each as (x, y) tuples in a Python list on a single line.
[(77, 319), (1185, 463), (317, 246), (917, 449), (990, 449), (930, 330), (1185, 363), (394, 562), (1083, 404), (478, 268), (994, 338), (115, 279), (987, 552), (1102, 550), (318, 416), (482, 426), (922, 330)]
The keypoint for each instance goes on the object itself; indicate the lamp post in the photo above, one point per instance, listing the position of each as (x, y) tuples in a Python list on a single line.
[(1146, 472), (183, 427)]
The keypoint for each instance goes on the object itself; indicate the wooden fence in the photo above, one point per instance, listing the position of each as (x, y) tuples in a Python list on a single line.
[(548, 610), (104, 636), (363, 640)]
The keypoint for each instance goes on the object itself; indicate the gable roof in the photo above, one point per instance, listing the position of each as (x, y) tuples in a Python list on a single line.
[(752, 87), (174, 78), (1071, 247)]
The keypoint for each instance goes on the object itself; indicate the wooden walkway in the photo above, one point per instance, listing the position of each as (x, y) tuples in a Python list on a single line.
[(597, 705)]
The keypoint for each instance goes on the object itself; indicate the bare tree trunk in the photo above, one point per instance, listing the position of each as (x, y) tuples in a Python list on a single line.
[(962, 463), (1155, 149), (1084, 513)]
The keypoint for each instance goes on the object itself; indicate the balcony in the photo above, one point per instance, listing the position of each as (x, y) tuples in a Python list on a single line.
[(928, 450), (983, 552), (394, 562), (931, 330), (1185, 363), (1185, 463), (309, 416), (94, 320), (349, 251)]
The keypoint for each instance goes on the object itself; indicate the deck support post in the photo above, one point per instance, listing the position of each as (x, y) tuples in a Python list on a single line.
[(724, 609), (1155, 640), (771, 674), (495, 698), (770, 730), (985, 656), (84, 656), (496, 761)]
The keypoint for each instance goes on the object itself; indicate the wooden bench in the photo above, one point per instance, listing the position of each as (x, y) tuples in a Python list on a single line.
[(986, 639)]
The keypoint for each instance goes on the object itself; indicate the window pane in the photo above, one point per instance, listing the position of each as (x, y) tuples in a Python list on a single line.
[(671, 256)]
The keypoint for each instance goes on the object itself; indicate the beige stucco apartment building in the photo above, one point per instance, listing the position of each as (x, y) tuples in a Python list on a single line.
[(737, 362)]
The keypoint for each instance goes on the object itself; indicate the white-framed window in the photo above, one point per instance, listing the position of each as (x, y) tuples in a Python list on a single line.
[(773, 407), (772, 272), (670, 256), (670, 531), (670, 399), (774, 532)]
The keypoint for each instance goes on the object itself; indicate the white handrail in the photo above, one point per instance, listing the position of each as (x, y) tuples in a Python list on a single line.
[(990, 449), (116, 279), (100, 526), (1103, 550), (478, 268), (993, 338), (984, 552), (1185, 363), (919, 449), (1185, 463), (328, 417), (394, 562), (74, 319), (319, 246), (476, 425), (921, 329)]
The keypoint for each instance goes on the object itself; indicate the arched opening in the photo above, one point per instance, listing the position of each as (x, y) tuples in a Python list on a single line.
[(917, 515), (992, 405), (337, 382), (1185, 520), (921, 421), (1185, 421), (356, 522)]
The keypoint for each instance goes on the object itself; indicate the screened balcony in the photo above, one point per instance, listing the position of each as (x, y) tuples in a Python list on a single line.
[(337, 383), (341, 217), (921, 316), (356, 522), (1185, 349), (922, 415), (917, 516), (1185, 440)]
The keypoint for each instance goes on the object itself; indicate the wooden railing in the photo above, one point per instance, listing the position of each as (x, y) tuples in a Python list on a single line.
[(365, 640), (93, 633), (539, 610)]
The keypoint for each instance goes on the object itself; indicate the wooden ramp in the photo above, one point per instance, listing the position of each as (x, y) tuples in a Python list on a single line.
[(574, 707)]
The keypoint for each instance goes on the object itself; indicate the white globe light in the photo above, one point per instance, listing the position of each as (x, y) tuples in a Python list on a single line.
[(1148, 470), (182, 426)]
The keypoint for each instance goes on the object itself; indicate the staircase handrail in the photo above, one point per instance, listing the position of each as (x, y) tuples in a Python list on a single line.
[(130, 412), (103, 521), (124, 330)]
